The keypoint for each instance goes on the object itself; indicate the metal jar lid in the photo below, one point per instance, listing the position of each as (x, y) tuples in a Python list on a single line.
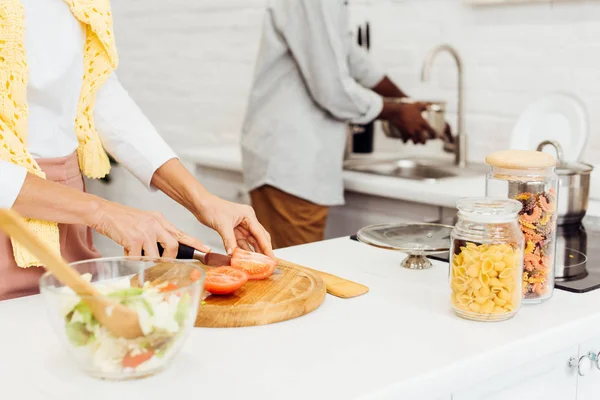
[(564, 168)]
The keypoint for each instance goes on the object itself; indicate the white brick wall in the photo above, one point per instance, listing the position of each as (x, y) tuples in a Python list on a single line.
[(189, 63)]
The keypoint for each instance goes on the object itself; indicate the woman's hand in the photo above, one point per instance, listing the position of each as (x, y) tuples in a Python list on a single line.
[(237, 225), (138, 230)]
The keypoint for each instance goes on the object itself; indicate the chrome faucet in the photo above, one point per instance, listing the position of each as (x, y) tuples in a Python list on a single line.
[(460, 145)]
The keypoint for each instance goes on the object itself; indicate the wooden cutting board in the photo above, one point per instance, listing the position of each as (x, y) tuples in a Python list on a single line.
[(292, 293), (281, 297)]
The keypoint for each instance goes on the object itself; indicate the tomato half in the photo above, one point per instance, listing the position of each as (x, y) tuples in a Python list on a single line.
[(224, 280), (258, 266), (130, 361)]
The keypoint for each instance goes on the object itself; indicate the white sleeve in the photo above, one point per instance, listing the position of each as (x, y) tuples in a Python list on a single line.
[(316, 34), (12, 178), (127, 134), (362, 68)]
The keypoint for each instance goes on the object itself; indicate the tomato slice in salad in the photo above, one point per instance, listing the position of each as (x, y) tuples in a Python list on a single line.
[(168, 287), (195, 275), (224, 280), (258, 266), (130, 361)]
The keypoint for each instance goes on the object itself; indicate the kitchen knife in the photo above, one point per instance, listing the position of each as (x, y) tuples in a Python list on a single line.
[(211, 259), (336, 286), (189, 253)]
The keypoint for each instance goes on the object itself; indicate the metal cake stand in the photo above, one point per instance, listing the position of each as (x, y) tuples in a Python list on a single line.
[(418, 240)]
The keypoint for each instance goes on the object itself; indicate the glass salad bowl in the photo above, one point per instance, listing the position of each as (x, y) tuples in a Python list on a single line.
[(166, 295)]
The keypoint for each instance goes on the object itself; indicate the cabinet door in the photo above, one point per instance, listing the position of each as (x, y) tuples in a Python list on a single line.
[(588, 387), (549, 378)]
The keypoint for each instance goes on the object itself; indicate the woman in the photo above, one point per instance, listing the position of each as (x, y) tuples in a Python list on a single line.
[(60, 106)]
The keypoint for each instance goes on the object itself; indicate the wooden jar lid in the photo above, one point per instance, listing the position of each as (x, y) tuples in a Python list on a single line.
[(520, 159)]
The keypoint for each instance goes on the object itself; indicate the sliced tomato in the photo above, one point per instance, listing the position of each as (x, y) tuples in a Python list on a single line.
[(224, 280), (258, 266), (195, 275), (168, 287), (130, 361)]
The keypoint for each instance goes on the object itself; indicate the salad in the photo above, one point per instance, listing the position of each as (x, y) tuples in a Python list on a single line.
[(163, 315)]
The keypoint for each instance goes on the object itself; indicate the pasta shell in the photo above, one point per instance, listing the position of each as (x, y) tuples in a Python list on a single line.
[(473, 271), (488, 307), (493, 273), (476, 284), (496, 256), (487, 265), (508, 283), (459, 270), (507, 273), (485, 291), (504, 295), (474, 307), (495, 282), (485, 280), (499, 266), (499, 302), (463, 299), (498, 310)]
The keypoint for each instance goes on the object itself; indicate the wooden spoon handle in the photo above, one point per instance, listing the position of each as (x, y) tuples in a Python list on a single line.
[(13, 225)]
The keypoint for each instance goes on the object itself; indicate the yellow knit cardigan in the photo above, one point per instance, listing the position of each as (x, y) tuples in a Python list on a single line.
[(100, 60)]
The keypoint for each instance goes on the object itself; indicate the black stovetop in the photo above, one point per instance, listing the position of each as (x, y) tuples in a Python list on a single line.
[(578, 248)]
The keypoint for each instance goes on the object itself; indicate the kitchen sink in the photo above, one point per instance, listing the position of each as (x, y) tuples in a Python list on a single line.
[(421, 169)]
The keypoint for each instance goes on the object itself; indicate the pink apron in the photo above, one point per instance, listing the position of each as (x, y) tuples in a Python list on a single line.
[(75, 240)]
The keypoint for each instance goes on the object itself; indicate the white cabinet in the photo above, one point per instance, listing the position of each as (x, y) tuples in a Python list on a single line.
[(588, 387), (549, 378)]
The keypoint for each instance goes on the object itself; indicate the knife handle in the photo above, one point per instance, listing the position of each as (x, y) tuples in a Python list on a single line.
[(183, 253)]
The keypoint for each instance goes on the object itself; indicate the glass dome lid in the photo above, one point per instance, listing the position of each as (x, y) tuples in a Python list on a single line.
[(488, 209)]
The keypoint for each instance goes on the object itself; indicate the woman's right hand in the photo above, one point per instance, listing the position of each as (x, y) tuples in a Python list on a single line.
[(138, 230)]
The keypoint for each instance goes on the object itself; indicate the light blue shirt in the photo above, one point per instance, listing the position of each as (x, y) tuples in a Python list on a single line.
[(310, 80)]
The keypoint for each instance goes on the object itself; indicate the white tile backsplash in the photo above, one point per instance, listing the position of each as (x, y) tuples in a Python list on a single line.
[(189, 63)]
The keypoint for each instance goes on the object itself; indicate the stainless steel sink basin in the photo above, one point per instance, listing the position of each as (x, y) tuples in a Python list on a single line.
[(415, 169)]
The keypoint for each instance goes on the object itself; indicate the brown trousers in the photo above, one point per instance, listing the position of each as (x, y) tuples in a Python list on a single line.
[(289, 220)]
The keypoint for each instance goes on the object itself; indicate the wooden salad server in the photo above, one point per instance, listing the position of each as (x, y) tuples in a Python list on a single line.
[(116, 318)]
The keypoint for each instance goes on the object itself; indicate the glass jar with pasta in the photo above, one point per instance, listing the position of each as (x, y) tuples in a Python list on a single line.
[(530, 178), (486, 259)]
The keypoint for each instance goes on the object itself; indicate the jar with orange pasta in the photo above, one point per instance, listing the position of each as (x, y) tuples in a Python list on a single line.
[(486, 259), (530, 178)]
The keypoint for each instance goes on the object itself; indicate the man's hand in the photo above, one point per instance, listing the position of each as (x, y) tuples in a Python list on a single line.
[(408, 119)]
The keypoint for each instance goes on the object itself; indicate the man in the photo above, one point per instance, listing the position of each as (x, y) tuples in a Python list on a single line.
[(311, 79)]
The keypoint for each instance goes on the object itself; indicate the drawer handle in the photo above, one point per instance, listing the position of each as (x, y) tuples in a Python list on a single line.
[(583, 365), (595, 357)]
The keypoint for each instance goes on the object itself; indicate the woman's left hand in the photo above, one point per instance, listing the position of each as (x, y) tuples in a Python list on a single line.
[(237, 224)]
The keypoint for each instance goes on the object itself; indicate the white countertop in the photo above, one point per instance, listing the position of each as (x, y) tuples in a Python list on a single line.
[(400, 340), (442, 193)]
